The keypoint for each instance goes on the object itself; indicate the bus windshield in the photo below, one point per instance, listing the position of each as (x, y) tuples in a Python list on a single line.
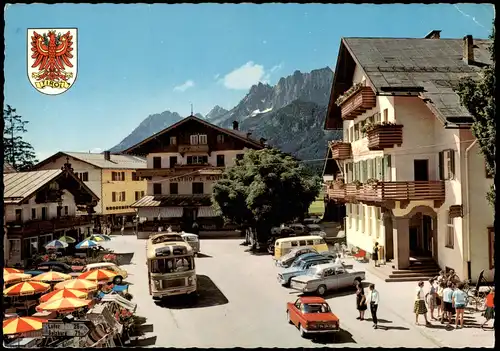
[(172, 265)]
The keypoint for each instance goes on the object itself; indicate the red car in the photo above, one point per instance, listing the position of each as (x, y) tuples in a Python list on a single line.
[(312, 315)]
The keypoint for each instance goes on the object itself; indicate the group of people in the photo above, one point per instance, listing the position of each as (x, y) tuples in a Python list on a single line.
[(362, 302), (447, 298)]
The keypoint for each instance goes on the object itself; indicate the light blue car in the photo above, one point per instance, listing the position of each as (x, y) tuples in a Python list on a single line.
[(301, 266)]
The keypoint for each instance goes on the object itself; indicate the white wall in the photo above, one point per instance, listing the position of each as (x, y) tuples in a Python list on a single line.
[(95, 176), (229, 157), (362, 231)]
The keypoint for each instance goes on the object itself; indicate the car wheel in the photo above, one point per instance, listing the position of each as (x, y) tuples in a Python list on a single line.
[(302, 331), (321, 290), (117, 280), (288, 317)]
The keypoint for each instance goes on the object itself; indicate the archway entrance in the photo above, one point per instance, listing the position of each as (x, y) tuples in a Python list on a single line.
[(422, 235)]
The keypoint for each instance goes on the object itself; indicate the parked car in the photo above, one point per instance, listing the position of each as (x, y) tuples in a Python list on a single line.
[(55, 266), (193, 241), (300, 267), (286, 260), (299, 229), (326, 277), (120, 273), (312, 228), (318, 233), (312, 315), (312, 220)]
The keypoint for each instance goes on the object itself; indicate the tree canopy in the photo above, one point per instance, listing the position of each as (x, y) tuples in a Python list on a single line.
[(265, 189), (18, 152), (478, 96)]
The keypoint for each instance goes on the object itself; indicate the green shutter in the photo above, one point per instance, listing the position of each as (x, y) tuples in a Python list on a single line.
[(441, 165), (378, 169), (369, 169), (387, 168), (452, 164)]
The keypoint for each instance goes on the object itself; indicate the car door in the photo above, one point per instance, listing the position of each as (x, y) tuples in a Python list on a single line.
[(345, 279), (330, 279), (295, 311)]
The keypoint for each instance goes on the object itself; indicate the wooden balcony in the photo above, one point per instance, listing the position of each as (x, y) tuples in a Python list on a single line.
[(340, 150), (336, 194), (35, 227), (363, 100), (385, 136), (176, 171), (193, 148)]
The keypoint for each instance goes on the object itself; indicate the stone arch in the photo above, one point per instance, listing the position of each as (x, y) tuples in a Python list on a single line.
[(427, 229), (424, 210)]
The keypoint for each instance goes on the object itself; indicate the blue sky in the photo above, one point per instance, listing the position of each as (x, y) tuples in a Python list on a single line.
[(135, 60)]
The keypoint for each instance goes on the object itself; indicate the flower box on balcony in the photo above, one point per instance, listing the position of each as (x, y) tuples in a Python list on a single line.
[(356, 101), (340, 150), (383, 135)]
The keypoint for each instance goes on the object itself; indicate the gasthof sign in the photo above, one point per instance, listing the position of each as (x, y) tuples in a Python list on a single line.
[(51, 328)]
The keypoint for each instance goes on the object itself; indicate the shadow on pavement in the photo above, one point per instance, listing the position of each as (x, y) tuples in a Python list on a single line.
[(341, 337), (391, 327), (380, 320), (208, 295), (201, 255), (258, 252)]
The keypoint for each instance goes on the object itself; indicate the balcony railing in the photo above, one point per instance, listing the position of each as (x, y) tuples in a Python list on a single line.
[(175, 171), (46, 226), (340, 150), (385, 136), (193, 148), (357, 103)]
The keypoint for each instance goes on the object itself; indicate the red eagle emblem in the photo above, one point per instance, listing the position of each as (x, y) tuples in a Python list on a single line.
[(52, 54)]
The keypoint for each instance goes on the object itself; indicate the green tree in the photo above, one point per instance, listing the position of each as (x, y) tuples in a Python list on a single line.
[(478, 96), (18, 152), (264, 189)]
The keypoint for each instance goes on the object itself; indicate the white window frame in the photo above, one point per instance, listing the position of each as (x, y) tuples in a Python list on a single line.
[(202, 139), (370, 218), (447, 164), (378, 221), (194, 139), (450, 232), (173, 140)]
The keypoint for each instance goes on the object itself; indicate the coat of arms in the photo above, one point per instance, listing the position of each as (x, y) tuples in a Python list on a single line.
[(52, 59)]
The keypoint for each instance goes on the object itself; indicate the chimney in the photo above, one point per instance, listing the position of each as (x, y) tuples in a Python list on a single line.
[(468, 54), (235, 125), (107, 155), (433, 34)]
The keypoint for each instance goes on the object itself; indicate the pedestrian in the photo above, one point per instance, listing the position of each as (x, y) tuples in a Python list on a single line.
[(447, 302), (432, 298), (419, 305), (122, 230), (374, 300), (337, 260), (489, 304), (439, 299), (360, 300), (459, 299), (375, 254)]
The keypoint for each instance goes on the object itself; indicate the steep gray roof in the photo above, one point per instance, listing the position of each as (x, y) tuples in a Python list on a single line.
[(435, 65), (20, 185), (116, 161)]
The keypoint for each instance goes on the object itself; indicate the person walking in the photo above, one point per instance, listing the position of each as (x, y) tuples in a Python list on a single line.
[(122, 230), (447, 302), (432, 298), (338, 260), (459, 300), (419, 305), (374, 300), (489, 304), (360, 300), (375, 254)]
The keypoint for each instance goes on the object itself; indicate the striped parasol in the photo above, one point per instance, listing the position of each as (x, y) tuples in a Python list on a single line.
[(16, 278), (52, 277), (104, 236), (98, 275), (18, 325), (59, 294), (56, 244), (67, 239), (95, 238), (78, 284), (26, 288), (86, 244), (66, 304), (8, 270)]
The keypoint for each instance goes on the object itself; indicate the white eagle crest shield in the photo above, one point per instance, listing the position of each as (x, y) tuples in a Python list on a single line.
[(52, 59)]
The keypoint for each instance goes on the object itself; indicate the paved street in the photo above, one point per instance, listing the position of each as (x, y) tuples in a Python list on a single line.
[(241, 304)]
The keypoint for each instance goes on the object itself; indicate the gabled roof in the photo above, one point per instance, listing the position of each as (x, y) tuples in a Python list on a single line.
[(21, 185), (173, 200), (7, 168), (117, 161), (237, 134), (430, 67)]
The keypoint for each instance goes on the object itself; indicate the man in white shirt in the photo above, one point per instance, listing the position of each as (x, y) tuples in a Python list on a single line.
[(337, 260), (374, 300)]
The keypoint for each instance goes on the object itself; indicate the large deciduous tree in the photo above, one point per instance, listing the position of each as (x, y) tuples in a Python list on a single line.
[(264, 189), (18, 152), (478, 96)]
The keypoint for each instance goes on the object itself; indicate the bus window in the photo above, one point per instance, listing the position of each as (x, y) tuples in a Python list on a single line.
[(294, 243), (322, 241), (316, 241), (302, 243), (310, 242), (172, 265)]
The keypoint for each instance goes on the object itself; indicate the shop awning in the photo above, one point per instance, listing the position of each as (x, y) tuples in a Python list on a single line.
[(162, 212), (206, 211)]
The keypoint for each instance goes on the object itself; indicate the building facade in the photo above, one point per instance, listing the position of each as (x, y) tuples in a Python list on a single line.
[(183, 163), (41, 206), (113, 177), (412, 176)]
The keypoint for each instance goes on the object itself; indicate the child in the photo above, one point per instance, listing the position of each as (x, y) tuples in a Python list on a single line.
[(490, 307)]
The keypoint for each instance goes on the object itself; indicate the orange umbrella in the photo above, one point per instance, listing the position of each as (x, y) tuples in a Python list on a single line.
[(8, 270), (59, 294), (18, 325), (52, 277), (78, 284), (98, 275), (12, 278), (26, 288), (66, 304)]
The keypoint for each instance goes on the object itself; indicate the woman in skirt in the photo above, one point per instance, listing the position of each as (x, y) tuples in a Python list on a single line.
[(432, 298), (419, 306), (490, 307), (360, 300)]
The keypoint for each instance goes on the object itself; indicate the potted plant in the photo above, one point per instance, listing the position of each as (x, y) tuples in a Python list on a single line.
[(357, 184), (373, 182), (347, 94), (339, 184)]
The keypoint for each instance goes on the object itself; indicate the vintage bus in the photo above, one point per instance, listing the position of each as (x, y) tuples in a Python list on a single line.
[(171, 266)]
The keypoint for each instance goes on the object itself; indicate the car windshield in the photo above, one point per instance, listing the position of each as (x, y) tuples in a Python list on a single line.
[(315, 308), (297, 263), (172, 265)]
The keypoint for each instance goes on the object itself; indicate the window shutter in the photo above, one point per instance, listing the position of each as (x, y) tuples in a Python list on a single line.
[(113, 196), (379, 168), (365, 170), (441, 165), (369, 169), (451, 171)]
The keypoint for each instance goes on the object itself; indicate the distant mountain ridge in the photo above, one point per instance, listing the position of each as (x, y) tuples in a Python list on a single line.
[(290, 115)]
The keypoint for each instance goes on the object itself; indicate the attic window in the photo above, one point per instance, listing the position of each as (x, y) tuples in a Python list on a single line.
[(220, 139), (173, 140)]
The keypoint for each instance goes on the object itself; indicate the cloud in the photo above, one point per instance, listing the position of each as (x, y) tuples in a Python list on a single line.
[(96, 150), (183, 87), (250, 73), (467, 15)]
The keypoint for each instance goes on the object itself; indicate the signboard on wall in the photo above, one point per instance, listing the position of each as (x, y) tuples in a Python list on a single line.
[(196, 178)]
